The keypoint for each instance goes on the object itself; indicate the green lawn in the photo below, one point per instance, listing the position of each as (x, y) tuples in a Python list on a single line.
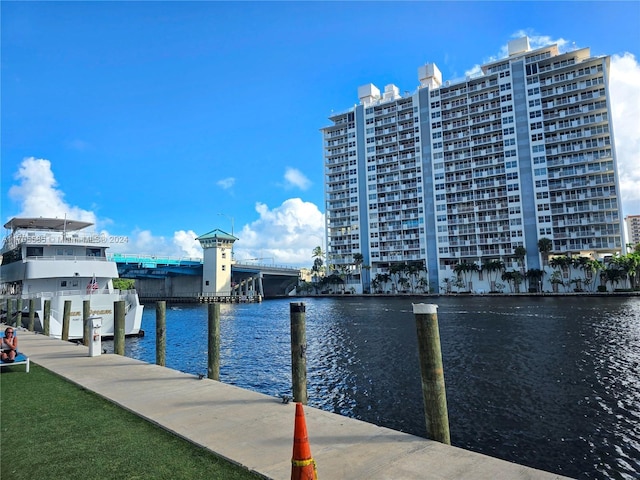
[(53, 429)]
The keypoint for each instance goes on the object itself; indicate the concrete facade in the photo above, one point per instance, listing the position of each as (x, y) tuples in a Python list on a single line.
[(470, 170)]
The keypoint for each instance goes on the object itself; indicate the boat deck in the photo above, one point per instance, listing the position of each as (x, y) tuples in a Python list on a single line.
[(256, 430)]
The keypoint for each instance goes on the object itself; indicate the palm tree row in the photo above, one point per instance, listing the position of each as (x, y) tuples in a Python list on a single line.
[(577, 274), (403, 277)]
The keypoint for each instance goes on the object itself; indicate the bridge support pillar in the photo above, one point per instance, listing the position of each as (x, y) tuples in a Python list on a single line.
[(260, 287)]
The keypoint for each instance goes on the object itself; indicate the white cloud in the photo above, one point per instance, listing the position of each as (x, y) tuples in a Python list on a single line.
[(226, 183), (295, 178), (38, 195), (625, 109), (285, 235), (187, 242)]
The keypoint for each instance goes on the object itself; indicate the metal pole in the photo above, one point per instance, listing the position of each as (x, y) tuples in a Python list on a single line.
[(213, 362), (47, 317), (32, 314), (118, 327), (66, 320), (298, 351), (433, 389), (161, 332), (86, 327)]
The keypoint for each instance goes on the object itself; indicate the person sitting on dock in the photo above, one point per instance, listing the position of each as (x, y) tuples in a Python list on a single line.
[(9, 345)]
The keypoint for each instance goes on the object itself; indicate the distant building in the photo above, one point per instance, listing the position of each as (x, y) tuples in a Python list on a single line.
[(633, 228), (468, 171)]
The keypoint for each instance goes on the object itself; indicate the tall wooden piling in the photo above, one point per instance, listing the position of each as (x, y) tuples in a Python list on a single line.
[(46, 321), (118, 327), (161, 332), (9, 312), (32, 314), (86, 328), (213, 362), (433, 390), (66, 320), (18, 321), (298, 351)]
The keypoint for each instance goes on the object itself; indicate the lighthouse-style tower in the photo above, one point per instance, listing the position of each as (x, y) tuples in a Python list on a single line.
[(216, 271)]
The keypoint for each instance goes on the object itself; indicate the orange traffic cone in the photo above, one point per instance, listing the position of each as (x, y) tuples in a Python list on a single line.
[(303, 466)]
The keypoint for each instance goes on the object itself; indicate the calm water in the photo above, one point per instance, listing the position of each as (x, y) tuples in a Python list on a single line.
[(553, 383)]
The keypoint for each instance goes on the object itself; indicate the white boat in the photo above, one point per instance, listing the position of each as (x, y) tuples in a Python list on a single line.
[(58, 259)]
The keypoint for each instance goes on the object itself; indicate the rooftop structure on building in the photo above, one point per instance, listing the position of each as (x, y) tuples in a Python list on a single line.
[(475, 171)]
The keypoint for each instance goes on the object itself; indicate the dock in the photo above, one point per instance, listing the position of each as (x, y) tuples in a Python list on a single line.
[(256, 430)]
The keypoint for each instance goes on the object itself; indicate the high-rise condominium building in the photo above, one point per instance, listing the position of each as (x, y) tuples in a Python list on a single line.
[(633, 229), (470, 170)]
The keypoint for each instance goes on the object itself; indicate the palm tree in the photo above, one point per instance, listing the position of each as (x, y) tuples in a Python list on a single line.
[(612, 274), (493, 267), (379, 281), (562, 265), (544, 247), (520, 252), (447, 284), (534, 279), (465, 269), (414, 271), (514, 279), (404, 284), (395, 271), (318, 264), (629, 264)]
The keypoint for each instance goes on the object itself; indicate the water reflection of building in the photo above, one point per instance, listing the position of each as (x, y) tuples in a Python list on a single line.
[(470, 170)]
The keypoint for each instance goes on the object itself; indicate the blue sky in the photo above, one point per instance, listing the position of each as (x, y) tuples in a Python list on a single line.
[(161, 121)]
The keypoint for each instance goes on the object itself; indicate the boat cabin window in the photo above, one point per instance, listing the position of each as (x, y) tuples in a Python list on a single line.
[(64, 251), (94, 252), (35, 251), (12, 256), (63, 283)]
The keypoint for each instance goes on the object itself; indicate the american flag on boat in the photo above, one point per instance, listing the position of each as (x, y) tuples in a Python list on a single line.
[(92, 286)]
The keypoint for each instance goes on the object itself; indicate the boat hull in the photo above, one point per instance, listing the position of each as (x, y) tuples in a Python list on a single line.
[(100, 305)]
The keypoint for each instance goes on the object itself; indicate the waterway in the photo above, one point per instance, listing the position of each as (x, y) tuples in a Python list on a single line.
[(549, 382)]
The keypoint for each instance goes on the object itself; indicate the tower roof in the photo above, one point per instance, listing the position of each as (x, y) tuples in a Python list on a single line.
[(217, 234)]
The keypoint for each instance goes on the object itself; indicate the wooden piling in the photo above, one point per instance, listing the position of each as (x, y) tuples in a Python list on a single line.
[(46, 321), (32, 314), (18, 321), (433, 390), (86, 327), (161, 332), (298, 351), (118, 327), (213, 362), (66, 320), (10, 312)]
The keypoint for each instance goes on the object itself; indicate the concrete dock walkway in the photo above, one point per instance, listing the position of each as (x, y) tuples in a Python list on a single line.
[(256, 430)]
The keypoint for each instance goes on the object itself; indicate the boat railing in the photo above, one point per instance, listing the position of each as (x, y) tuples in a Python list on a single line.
[(65, 293), (90, 258)]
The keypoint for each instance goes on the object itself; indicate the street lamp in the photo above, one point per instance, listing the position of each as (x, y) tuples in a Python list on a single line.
[(230, 218)]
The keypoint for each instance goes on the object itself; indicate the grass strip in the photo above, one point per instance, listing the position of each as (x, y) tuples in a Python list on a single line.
[(53, 429)]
